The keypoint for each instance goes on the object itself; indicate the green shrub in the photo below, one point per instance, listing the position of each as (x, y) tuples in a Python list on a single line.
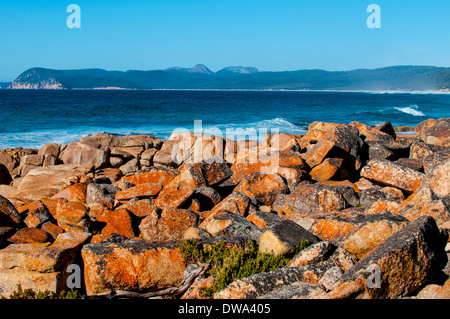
[(229, 264), (46, 294)]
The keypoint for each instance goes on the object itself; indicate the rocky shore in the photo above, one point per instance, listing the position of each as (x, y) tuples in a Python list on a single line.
[(348, 211)]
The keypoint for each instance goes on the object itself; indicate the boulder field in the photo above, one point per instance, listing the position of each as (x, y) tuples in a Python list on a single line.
[(371, 204)]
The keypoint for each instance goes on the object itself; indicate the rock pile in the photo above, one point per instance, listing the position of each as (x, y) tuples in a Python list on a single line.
[(373, 205)]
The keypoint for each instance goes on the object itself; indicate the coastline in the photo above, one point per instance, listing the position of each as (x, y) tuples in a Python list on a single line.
[(342, 193), (436, 92)]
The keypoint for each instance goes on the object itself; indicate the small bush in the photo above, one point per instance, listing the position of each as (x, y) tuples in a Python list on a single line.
[(229, 264), (46, 294)]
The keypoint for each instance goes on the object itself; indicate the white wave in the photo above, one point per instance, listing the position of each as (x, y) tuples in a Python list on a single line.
[(279, 122), (412, 109), (251, 131), (37, 139), (239, 131)]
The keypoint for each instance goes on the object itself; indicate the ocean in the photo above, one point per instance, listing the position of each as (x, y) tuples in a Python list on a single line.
[(32, 118)]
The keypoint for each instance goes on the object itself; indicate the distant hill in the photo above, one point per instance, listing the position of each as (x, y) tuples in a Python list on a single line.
[(406, 78), (4, 85)]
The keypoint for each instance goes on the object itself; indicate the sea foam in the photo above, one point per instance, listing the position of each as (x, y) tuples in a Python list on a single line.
[(412, 109)]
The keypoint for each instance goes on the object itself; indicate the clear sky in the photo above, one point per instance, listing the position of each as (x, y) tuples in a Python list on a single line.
[(269, 35)]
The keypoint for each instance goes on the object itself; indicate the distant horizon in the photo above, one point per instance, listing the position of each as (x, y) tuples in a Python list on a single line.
[(271, 36), (217, 70)]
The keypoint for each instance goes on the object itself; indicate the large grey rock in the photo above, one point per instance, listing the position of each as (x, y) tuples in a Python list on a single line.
[(437, 178), (90, 154), (9, 215), (340, 141), (48, 181), (260, 284), (389, 173), (405, 262), (313, 254), (314, 198), (284, 238), (233, 225), (297, 290), (101, 193), (40, 266)]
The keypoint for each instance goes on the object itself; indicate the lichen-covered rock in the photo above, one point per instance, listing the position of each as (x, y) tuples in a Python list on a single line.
[(406, 261), (135, 265), (117, 222), (9, 161), (196, 291), (30, 235), (339, 141), (236, 202), (174, 196), (40, 266), (251, 161), (36, 214), (9, 216), (264, 220), (195, 232), (190, 175), (382, 132), (103, 194), (144, 190), (52, 229), (435, 208), (436, 133), (141, 207), (370, 195), (437, 178), (297, 290), (207, 198), (222, 224), (90, 154), (284, 238), (215, 171), (330, 277), (282, 141), (75, 192), (260, 284), (263, 186), (159, 175), (392, 193), (326, 170), (434, 291), (44, 182), (170, 225), (391, 174), (315, 198), (372, 233), (419, 150), (378, 151), (383, 205), (312, 254), (340, 226), (435, 158), (72, 213)]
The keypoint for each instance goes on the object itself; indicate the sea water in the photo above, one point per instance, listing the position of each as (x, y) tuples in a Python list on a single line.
[(32, 118)]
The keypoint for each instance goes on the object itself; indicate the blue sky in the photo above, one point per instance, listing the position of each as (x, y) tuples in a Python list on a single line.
[(270, 35)]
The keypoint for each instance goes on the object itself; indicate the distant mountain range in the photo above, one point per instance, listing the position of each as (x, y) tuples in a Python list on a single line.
[(395, 78)]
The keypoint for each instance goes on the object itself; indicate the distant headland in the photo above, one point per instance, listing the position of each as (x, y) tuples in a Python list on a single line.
[(391, 79)]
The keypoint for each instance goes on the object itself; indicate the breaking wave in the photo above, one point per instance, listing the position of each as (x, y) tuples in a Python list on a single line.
[(412, 110)]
